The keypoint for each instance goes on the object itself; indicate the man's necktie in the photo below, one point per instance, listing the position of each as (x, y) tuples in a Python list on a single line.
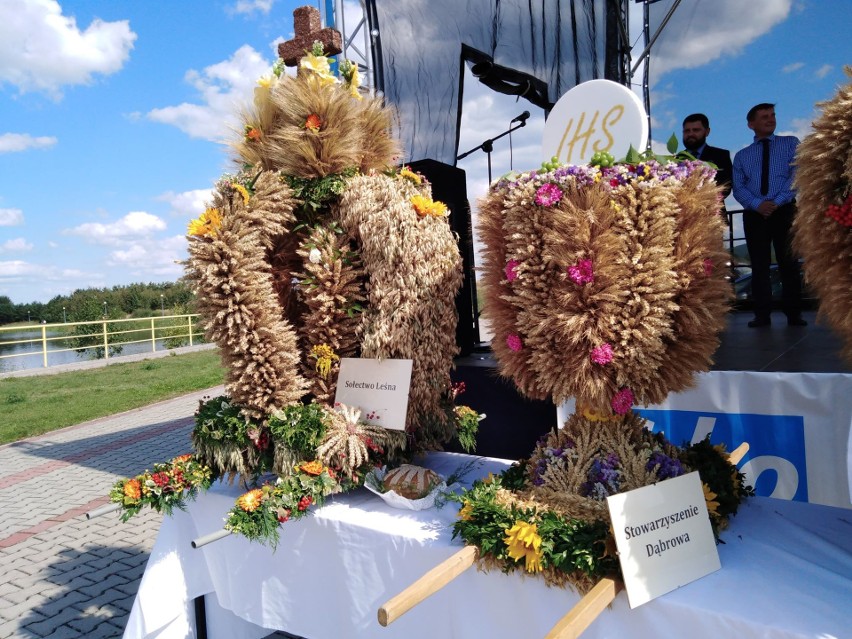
[(764, 167)]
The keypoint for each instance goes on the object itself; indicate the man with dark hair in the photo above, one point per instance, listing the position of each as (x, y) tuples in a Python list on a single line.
[(763, 185), (696, 128)]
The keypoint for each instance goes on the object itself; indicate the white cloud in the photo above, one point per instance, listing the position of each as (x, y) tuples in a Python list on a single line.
[(224, 88), (795, 66), (801, 128), (700, 32), (133, 225), (188, 204), (43, 50), (250, 6), (11, 217), (14, 142), (148, 257), (823, 71), (16, 245)]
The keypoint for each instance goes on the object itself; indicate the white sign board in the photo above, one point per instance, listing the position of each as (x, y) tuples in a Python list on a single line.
[(664, 537), (378, 387), (599, 115)]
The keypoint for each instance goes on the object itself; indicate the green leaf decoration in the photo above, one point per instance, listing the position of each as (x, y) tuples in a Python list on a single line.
[(671, 145), (632, 155)]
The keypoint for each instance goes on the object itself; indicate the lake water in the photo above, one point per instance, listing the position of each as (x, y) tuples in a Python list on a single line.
[(29, 354)]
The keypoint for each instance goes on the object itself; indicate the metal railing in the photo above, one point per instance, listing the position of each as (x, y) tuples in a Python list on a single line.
[(101, 338)]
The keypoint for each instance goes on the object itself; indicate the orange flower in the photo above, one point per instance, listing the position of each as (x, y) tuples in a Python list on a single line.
[(250, 501), (182, 458), (252, 133), (314, 468), (132, 489), (313, 122)]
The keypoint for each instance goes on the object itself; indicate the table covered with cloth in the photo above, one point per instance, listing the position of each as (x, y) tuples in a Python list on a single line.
[(786, 573)]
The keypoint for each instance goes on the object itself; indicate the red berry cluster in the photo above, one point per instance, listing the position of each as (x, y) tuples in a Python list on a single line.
[(283, 515), (842, 213), (305, 502)]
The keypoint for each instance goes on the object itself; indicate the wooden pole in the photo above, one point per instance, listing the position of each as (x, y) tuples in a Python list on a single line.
[(587, 610), (427, 585), (738, 453)]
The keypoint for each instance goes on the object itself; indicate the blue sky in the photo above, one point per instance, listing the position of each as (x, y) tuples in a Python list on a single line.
[(112, 114)]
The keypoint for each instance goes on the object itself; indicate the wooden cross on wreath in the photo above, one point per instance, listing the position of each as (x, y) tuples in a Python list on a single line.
[(308, 28)]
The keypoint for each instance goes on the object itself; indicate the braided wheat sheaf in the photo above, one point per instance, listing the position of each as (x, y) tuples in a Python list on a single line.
[(659, 295), (414, 271), (232, 279), (824, 177)]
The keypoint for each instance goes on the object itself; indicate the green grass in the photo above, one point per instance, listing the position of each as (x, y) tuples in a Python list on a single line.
[(42, 403)]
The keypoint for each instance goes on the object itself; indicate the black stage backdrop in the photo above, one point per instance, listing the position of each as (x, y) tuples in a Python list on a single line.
[(418, 48)]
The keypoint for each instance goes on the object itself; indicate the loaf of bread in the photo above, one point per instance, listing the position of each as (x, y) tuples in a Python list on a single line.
[(412, 482)]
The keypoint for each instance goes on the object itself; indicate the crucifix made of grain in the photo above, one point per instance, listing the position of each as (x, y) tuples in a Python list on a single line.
[(308, 28)]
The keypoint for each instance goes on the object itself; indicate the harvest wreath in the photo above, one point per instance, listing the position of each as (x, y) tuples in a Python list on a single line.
[(823, 223), (605, 283), (318, 249)]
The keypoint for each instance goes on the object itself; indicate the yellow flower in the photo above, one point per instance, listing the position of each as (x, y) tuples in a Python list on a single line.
[(239, 188), (264, 81), (466, 512), (524, 542), (355, 82), (318, 65), (410, 175), (710, 498), (592, 415), (206, 224), (250, 501), (324, 355), (425, 206), (491, 477)]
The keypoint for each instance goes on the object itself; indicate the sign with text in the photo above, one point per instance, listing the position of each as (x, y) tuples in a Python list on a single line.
[(598, 115), (664, 537), (378, 387)]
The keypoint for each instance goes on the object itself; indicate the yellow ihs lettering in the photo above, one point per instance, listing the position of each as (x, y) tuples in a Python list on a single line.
[(615, 112), (578, 135)]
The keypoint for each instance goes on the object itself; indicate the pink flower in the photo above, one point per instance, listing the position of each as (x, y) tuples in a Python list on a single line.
[(622, 401), (548, 194), (602, 354), (510, 270), (582, 272), (514, 343), (708, 267)]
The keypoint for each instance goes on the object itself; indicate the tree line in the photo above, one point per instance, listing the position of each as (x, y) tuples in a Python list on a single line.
[(132, 300)]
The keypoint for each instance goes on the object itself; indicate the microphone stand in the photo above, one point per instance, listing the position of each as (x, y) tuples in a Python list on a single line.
[(488, 145)]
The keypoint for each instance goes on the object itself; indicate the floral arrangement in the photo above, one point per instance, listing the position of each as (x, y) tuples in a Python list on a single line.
[(822, 224), (165, 488), (548, 513), (258, 512)]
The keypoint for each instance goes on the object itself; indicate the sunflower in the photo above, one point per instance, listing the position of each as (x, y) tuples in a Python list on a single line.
[(207, 223), (710, 498)]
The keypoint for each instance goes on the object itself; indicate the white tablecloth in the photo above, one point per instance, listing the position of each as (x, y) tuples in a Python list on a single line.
[(786, 573)]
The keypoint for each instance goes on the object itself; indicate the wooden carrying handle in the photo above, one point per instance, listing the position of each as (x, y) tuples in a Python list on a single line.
[(587, 610), (738, 453), (427, 585)]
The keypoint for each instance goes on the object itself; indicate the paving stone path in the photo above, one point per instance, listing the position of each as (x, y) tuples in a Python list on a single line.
[(64, 576)]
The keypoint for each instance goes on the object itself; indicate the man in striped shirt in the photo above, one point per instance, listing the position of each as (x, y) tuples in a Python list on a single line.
[(763, 185)]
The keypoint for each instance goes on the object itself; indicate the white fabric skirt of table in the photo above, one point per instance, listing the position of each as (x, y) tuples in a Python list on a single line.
[(786, 573)]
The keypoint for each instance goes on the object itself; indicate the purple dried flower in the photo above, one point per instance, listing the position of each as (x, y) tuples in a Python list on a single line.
[(622, 401), (513, 341), (511, 270)]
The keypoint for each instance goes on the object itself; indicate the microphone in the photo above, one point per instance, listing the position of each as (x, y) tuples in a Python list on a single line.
[(521, 118)]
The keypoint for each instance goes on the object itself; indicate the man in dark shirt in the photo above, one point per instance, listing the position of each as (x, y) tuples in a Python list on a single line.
[(696, 128), (763, 185)]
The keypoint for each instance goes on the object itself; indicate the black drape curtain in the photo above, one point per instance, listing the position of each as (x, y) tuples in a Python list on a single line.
[(419, 43)]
